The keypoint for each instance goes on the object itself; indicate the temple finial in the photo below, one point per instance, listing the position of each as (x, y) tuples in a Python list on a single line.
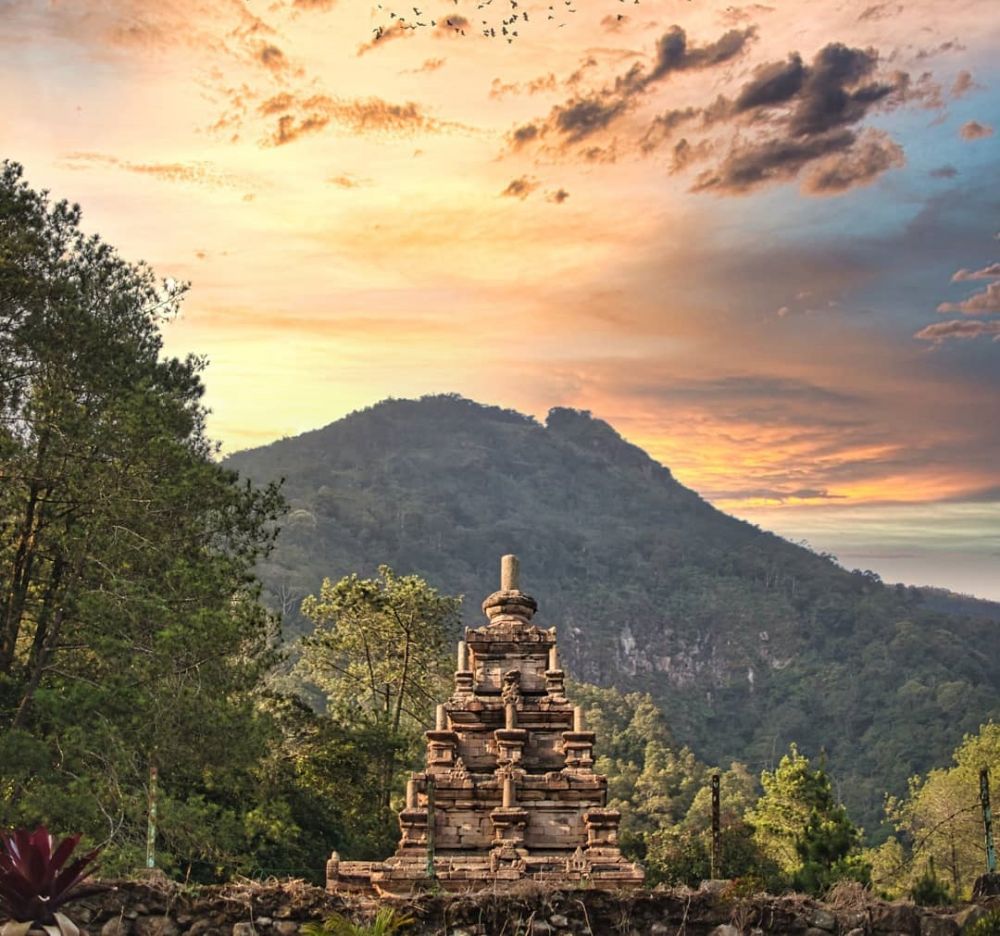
[(509, 603), (510, 573)]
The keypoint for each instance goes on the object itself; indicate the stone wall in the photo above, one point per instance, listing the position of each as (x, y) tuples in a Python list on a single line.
[(717, 908)]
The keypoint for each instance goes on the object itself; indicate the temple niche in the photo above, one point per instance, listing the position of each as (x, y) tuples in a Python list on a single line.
[(509, 791)]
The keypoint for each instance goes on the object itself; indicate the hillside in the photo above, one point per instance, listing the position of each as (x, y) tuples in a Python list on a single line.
[(746, 640)]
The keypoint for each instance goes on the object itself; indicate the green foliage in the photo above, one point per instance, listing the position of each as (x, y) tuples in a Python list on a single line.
[(940, 820), (377, 658), (130, 631), (652, 589), (798, 824), (929, 890), (387, 922), (986, 925)]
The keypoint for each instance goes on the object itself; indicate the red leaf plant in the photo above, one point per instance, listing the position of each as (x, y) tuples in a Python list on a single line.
[(35, 881)]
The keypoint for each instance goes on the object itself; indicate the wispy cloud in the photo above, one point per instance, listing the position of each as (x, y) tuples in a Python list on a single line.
[(974, 130)]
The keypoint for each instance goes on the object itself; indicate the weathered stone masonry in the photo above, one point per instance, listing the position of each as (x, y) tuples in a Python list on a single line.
[(509, 791)]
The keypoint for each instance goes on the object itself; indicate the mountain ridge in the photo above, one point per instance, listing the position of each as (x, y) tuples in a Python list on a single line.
[(746, 640)]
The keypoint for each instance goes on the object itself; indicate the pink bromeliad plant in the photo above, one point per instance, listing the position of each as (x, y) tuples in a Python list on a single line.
[(36, 881)]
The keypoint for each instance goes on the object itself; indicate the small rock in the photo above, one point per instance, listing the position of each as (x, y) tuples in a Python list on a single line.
[(815, 931), (199, 926), (660, 929), (116, 926), (895, 918), (938, 926), (286, 927), (141, 909), (857, 931), (183, 919), (540, 928), (557, 919), (155, 926), (823, 920), (263, 921), (726, 929), (82, 915), (244, 928)]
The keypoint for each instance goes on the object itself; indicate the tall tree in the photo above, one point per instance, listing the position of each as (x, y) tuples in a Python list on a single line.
[(378, 656), (130, 633), (799, 824)]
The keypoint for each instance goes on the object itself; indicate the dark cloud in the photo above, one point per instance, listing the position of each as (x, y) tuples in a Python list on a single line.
[(988, 272), (580, 118), (520, 188), (947, 171), (592, 112), (747, 167), (832, 95), (523, 134), (974, 130), (859, 165), (980, 303), (673, 53), (803, 116), (558, 196), (773, 83), (959, 328)]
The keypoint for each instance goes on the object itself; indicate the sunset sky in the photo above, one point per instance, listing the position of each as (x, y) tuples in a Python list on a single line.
[(762, 241)]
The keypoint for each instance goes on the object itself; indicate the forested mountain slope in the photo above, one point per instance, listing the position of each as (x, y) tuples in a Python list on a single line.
[(746, 640)]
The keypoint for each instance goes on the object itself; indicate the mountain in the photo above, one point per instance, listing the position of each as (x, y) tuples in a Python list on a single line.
[(746, 640)]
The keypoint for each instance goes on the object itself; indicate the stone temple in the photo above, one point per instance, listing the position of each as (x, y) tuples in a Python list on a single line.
[(509, 791)]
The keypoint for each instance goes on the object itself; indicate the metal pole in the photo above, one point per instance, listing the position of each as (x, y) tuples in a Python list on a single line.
[(716, 835), (984, 798), (430, 828), (151, 826)]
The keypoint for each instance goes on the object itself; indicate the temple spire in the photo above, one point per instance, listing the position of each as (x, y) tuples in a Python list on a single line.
[(509, 604), (510, 573)]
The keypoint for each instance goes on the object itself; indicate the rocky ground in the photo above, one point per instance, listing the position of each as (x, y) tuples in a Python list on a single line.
[(279, 908)]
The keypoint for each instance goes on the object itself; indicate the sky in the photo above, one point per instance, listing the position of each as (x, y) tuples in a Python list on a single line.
[(761, 240)]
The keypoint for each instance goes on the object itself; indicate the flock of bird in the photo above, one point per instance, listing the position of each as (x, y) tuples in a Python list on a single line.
[(506, 27)]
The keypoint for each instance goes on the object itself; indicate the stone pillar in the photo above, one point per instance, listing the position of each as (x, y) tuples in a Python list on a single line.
[(555, 678), (602, 832), (578, 744), (442, 743), (510, 573), (464, 684)]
